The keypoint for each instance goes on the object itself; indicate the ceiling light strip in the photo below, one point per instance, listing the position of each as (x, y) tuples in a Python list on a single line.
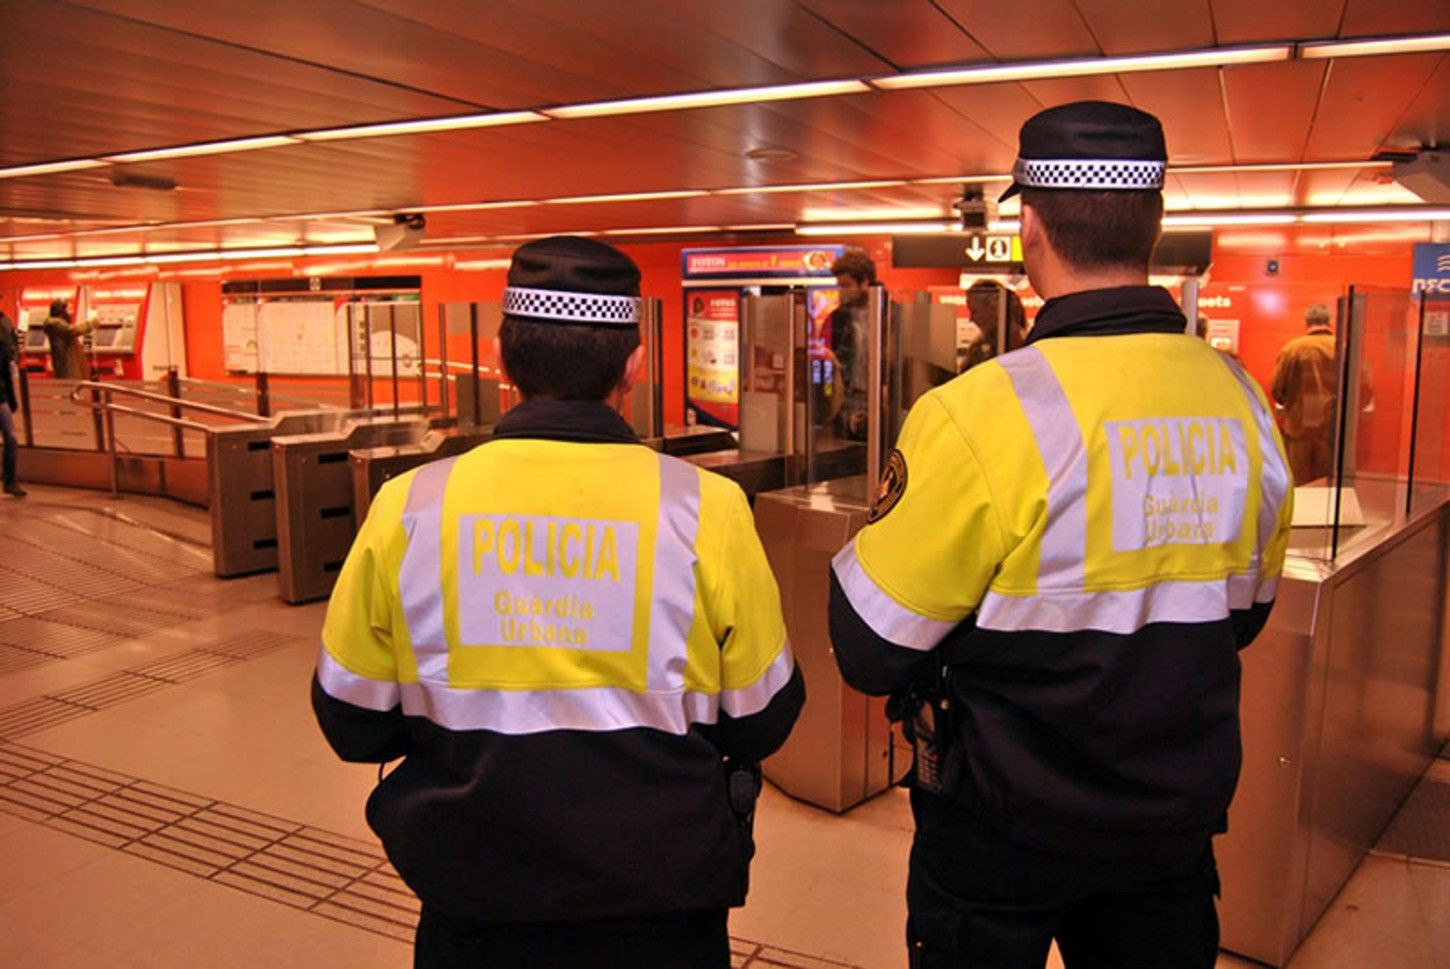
[(52, 168), (1371, 46), (625, 197), (1085, 67), (203, 148), (707, 99), (463, 122)]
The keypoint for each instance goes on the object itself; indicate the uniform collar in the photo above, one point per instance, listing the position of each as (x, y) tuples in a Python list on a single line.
[(1109, 312), (1317, 330), (591, 421)]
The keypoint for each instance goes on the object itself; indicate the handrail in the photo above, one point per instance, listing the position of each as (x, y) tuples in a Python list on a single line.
[(161, 418), (111, 389)]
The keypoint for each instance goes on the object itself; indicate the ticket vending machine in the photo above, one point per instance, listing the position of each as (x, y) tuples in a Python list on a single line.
[(136, 328)]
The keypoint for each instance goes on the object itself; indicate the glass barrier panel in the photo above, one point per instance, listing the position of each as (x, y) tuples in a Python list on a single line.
[(1430, 455)]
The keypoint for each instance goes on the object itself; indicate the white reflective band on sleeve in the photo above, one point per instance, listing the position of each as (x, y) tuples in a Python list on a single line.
[(342, 684), (1064, 457), (1274, 479), (672, 607), (746, 700), (887, 618), (419, 579), (1118, 611)]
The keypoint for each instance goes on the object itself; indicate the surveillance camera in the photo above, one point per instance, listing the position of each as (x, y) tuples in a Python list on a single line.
[(405, 232), (977, 211)]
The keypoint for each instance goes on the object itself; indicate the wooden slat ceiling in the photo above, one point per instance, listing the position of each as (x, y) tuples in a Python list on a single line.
[(91, 77)]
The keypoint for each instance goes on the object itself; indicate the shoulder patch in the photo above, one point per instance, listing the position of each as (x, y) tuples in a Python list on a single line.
[(891, 488)]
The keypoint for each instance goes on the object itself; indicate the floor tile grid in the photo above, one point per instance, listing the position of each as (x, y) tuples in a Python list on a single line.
[(318, 871), (48, 710)]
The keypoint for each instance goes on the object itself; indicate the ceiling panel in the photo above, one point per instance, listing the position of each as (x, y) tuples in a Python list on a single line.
[(1138, 26), (1036, 29), (1190, 105), (1426, 122), (1363, 99), (1252, 21), (908, 33), (59, 58), (1376, 17), (1271, 108)]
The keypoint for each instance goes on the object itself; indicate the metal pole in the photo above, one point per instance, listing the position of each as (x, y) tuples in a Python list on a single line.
[(442, 357), (25, 417), (1190, 304), (876, 348), (173, 389), (97, 421), (264, 395), (1415, 410), (110, 424), (473, 348), (393, 335)]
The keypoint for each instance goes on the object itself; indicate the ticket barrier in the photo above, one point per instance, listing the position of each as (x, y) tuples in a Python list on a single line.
[(841, 751), (241, 488), (372, 467), (314, 487)]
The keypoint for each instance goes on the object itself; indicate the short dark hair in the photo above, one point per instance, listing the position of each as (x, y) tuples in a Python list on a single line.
[(855, 263), (1098, 230), (57, 307), (565, 361)]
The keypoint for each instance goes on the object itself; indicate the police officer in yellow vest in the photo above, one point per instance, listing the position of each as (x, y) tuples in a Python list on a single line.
[(1069, 547), (576, 647)]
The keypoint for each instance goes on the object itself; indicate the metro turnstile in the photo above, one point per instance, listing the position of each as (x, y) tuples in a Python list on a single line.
[(315, 518), (242, 490), (372, 466), (840, 752)]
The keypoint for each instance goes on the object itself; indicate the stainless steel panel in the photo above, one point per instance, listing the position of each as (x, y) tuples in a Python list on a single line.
[(1384, 640), (372, 466), (241, 489), (839, 753), (1339, 720), (315, 516)]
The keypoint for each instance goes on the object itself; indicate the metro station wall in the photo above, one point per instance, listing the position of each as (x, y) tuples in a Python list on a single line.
[(1270, 306)]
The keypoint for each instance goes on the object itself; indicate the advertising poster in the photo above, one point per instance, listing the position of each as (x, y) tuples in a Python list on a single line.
[(715, 283), (712, 342)]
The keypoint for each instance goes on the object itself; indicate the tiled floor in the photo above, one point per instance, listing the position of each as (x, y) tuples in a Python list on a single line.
[(166, 801)]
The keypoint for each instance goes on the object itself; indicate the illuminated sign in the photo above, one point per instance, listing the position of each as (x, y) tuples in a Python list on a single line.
[(1431, 268)]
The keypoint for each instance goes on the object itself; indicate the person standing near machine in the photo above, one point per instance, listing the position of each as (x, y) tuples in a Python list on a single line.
[(1069, 546), (9, 403), (67, 350), (576, 645), (855, 274)]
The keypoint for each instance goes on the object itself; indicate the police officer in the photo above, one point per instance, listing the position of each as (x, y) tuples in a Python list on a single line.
[(576, 646), (1069, 547)]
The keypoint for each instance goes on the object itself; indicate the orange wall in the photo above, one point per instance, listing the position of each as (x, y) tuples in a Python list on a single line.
[(1314, 266)]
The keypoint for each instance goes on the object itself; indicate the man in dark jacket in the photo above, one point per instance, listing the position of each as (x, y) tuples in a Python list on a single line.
[(576, 646), (1069, 546), (9, 404)]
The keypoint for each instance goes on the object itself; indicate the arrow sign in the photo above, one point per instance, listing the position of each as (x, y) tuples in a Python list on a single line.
[(975, 252)]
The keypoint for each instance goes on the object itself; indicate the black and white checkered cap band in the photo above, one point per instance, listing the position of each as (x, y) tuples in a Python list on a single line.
[(587, 308), (1099, 174)]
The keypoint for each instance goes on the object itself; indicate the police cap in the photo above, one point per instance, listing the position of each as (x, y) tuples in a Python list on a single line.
[(569, 279), (1095, 145)]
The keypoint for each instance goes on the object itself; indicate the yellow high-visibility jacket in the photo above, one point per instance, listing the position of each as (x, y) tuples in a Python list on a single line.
[(1086, 530), (563, 634)]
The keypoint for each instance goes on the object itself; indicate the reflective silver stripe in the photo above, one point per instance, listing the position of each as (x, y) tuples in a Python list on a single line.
[(516, 712), (1120, 611), (1274, 481), (1064, 457), (887, 618), (342, 684), (744, 700), (672, 607), (418, 579)]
